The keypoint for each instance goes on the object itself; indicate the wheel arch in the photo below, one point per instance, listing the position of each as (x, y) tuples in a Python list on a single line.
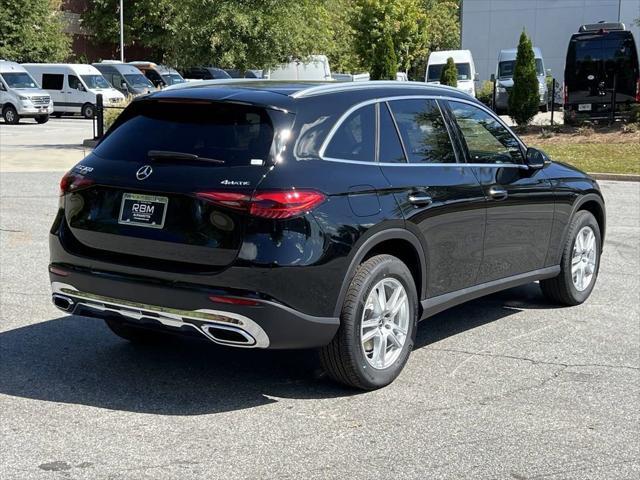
[(400, 243), (594, 204)]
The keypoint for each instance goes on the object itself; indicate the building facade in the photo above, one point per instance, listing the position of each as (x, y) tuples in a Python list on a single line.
[(489, 26)]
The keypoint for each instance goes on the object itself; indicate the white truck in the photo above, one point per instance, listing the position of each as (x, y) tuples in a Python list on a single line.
[(463, 59), (74, 87), (21, 96)]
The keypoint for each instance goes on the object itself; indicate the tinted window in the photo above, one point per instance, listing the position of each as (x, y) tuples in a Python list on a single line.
[(487, 140), (233, 133), (52, 81), (506, 68), (355, 138), (74, 82), (390, 150), (423, 131)]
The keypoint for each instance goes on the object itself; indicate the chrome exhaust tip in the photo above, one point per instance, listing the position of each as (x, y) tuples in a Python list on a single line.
[(63, 303), (227, 335)]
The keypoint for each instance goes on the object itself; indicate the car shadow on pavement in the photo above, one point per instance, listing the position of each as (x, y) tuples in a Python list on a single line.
[(78, 360)]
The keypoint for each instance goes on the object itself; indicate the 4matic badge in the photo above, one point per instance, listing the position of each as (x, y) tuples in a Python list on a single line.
[(235, 182)]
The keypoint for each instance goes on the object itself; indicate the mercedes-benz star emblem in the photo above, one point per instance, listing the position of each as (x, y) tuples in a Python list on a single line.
[(144, 172)]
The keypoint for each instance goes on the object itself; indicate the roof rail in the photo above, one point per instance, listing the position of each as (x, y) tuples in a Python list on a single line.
[(213, 83), (596, 27), (346, 86)]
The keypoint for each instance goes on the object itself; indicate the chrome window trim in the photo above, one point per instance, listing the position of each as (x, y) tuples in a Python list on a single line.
[(370, 101), (336, 87)]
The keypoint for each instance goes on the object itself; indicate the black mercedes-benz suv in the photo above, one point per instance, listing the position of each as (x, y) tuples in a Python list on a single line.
[(334, 216)]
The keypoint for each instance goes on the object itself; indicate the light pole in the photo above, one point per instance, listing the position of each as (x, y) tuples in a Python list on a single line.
[(121, 32)]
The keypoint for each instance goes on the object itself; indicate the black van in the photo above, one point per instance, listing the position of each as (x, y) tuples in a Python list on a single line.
[(600, 56)]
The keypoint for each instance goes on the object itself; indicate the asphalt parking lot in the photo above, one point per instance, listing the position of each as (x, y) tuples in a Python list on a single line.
[(504, 387)]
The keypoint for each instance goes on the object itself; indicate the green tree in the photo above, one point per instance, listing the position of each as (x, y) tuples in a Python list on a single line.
[(149, 23), (449, 75), (524, 97), (404, 20), (32, 31), (385, 62)]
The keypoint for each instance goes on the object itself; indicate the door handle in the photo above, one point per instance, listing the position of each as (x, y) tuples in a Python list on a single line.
[(420, 199), (498, 193)]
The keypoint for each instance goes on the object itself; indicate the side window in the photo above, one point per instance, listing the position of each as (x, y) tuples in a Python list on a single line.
[(487, 140), (355, 137), (117, 80), (390, 150), (52, 81), (423, 131), (74, 82)]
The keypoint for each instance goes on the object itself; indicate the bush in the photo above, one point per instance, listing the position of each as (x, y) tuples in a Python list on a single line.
[(449, 75), (111, 114), (385, 65), (631, 128), (524, 97), (485, 93)]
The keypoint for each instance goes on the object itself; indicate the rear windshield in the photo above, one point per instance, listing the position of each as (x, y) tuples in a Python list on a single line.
[(236, 134), (464, 72), (506, 68)]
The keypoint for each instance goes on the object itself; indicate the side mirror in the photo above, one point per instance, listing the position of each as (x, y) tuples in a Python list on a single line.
[(536, 159), (2, 87), (123, 85), (476, 76)]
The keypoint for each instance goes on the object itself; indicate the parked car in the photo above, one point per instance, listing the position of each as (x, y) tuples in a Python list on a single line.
[(21, 96), (73, 87), (601, 57), (126, 78), (315, 68), (159, 75), (463, 59), (504, 77), (235, 73), (280, 215), (205, 73)]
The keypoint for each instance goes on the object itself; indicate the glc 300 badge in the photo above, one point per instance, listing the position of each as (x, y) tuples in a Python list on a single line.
[(144, 172)]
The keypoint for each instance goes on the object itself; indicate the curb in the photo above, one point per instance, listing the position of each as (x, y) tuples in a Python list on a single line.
[(621, 177)]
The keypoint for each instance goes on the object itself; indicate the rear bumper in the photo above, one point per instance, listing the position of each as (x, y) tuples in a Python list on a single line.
[(160, 305)]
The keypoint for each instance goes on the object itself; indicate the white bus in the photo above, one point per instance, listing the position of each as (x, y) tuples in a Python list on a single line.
[(73, 87)]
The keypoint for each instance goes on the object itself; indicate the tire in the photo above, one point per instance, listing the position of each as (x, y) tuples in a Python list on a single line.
[(56, 115), (134, 334), (10, 115), (88, 110), (562, 289), (42, 118), (345, 359)]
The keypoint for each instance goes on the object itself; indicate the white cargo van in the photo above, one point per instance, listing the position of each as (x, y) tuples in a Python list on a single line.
[(316, 68), (464, 63), (74, 87), (21, 96)]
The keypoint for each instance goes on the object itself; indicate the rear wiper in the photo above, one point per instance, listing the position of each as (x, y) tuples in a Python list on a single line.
[(167, 154)]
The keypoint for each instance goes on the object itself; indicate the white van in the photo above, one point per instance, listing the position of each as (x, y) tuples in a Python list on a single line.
[(316, 68), (467, 75), (21, 96), (73, 88)]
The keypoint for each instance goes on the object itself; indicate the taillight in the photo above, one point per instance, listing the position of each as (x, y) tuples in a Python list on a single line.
[(72, 182), (271, 204), (638, 90)]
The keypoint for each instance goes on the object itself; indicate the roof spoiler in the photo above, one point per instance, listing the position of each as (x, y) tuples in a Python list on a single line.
[(596, 27)]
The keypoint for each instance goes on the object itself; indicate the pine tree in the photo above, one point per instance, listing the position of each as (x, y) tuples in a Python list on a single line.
[(524, 97), (449, 75), (385, 62)]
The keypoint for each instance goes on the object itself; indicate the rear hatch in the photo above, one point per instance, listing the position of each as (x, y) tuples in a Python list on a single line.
[(595, 61), (137, 194)]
